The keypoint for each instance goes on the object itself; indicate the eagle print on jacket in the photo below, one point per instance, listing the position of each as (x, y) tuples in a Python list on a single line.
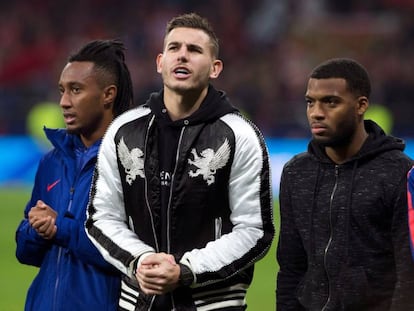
[(132, 161), (209, 161)]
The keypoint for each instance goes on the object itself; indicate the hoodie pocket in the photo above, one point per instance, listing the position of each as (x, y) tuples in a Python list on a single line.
[(353, 287), (312, 291)]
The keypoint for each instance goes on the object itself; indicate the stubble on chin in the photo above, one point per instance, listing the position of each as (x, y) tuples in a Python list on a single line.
[(333, 142), (70, 130)]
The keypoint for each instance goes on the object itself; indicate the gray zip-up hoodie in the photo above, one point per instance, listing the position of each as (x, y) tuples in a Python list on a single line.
[(344, 235)]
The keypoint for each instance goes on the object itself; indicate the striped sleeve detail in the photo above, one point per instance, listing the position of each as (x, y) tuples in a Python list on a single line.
[(220, 299), (107, 224), (251, 205), (106, 244)]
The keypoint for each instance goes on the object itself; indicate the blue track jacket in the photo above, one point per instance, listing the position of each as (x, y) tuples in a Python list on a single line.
[(73, 275)]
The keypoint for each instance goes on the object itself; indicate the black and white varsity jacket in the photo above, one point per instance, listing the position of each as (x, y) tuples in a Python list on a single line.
[(219, 217)]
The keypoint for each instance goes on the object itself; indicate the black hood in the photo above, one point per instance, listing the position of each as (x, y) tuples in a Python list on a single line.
[(215, 105), (377, 142)]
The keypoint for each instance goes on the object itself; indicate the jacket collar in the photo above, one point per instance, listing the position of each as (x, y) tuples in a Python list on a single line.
[(68, 143)]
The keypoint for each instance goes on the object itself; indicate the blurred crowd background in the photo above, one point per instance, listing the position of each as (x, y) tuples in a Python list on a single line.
[(268, 48)]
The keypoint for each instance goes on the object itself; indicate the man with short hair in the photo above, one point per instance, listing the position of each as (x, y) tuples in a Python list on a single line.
[(181, 200), (343, 241)]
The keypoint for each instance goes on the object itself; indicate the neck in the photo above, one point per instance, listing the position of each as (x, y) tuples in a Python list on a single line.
[(180, 106), (89, 138), (341, 154)]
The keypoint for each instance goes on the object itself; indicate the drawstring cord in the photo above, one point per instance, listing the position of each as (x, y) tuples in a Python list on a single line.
[(348, 210), (313, 205)]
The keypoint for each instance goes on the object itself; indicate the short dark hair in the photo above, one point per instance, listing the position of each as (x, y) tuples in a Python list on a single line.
[(193, 20), (355, 75), (108, 56)]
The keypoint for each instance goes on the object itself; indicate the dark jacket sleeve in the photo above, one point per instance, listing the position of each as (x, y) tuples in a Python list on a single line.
[(71, 235), (291, 254), (403, 298), (30, 247)]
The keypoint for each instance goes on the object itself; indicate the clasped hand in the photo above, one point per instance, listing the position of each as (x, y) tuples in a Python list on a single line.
[(43, 218), (158, 274)]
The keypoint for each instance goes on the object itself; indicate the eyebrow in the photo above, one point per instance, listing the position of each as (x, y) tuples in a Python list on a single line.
[(191, 45), (324, 98)]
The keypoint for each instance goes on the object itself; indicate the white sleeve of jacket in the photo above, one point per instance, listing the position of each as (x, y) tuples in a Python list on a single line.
[(251, 209), (106, 220)]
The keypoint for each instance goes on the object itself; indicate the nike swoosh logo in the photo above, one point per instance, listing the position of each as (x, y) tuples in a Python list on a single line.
[(50, 186)]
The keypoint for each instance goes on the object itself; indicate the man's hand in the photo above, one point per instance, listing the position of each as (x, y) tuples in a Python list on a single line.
[(158, 274), (43, 218)]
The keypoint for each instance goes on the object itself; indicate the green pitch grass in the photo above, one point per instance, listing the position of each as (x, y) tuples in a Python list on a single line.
[(15, 278)]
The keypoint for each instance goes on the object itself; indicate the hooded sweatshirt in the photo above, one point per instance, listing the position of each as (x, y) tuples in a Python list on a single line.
[(343, 243), (213, 107), (197, 188)]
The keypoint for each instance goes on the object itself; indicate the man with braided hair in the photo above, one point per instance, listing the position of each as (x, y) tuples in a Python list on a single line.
[(95, 87)]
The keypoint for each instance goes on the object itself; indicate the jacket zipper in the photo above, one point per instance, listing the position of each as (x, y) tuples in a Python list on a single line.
[(57, 278), (169, 204), (157, 248), (330, 237), (72, 190), (146, 190), (218, 227), (170, 197)]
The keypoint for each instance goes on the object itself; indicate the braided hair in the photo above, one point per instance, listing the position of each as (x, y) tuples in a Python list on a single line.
[(109, 58)]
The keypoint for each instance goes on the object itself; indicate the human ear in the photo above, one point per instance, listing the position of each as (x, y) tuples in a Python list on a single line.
[(216, 68), (110, 93), (159, 62), (363, 104)]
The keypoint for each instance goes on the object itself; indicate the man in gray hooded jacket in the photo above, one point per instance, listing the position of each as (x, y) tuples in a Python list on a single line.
[(344, 235)]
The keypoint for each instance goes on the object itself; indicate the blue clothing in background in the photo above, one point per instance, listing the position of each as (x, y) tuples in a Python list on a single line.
[(72, 275)]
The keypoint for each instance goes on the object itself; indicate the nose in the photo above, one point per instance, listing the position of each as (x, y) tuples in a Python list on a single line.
[(315, 111), (183, 54), (64, 100)]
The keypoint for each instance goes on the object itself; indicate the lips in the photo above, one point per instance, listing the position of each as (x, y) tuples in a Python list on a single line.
[(318, 128), (69, 118), (181, 72)]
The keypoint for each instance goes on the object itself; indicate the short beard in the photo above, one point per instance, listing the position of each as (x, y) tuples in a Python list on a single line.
[(335, 142), (72, 131)]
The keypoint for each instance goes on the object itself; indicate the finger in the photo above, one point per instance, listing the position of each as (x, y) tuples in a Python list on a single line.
[(148, 271), (46, 224), (33, 213), (149, 291), (54, 231), (40, 204), (152, 291), (49, 231), (150, 288), (149, 280), (150, 260), (32, 219), (38, 222), (50, 234), (170, 258)]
